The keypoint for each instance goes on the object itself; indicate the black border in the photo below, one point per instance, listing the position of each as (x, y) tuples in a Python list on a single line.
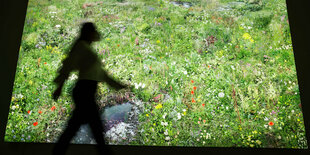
[(12, 16)]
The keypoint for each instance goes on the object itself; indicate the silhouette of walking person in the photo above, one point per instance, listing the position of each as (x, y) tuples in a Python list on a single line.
[(81, 58)]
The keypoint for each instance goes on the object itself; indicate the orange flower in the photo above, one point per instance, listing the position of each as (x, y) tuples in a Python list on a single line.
[(35, 123), (209, 66), (192, 81), (271, 123), (204, 121), (45, 63), (150, 67), (193, 100), (192, 92), (53, 108), (203, 104), (40, 111), (117, 45), (195, 88)]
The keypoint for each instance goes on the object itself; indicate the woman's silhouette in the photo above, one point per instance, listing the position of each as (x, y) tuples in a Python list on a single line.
[(81, 58)]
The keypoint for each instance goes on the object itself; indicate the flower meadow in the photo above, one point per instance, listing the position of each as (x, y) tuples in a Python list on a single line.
[(211, 73)]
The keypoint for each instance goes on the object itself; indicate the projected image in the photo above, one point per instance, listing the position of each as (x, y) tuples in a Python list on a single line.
[(205, 73)]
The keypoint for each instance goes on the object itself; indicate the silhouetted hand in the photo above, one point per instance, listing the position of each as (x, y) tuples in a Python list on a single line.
[(57, 93)]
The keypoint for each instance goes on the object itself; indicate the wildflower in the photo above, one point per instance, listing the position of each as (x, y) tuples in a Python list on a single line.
[(221, 94), (29, 112), (164, 115), (179, 116), (209, 66), (40, 111), (195, 88), (167, 138), (159, 106), (158, 41), (198, 122), (57, 26), (53, 108), (192, 92), (270, 123), (166, 132), (164, 123), (192, 81), (147, 115), (117, 45), (258, 142), (45, 63), (35, 123), (193, 100), (203, 104), (204, 121)]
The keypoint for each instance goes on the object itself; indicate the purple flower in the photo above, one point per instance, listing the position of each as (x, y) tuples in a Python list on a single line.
[(151, 9)]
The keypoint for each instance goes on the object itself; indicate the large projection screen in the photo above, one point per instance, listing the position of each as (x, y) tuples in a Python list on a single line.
[(206, 73)]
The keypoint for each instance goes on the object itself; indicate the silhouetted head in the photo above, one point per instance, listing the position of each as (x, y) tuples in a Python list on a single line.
[(89, 32)]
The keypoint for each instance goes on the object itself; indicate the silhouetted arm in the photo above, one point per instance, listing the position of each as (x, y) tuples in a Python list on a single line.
[(68, 65)]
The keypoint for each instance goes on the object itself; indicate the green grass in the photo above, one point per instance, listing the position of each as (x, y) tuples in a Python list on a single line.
[(244, 52)]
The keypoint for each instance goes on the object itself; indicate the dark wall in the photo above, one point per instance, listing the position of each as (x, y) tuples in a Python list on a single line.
[(12, 17)]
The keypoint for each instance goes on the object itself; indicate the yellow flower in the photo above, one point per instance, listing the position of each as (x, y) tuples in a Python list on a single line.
[(108, 39), (147, 115), (251, 145), (184, 113), (206, 51), (159, 106), (158, 41), (30, 82), (247, 36), (13, 99), (154, 124), (258, 142)]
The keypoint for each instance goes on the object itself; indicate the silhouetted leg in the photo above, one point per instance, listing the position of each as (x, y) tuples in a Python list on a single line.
[(97, 129), (64, 140)]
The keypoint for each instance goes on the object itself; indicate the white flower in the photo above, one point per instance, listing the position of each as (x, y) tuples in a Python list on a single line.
[(293, 111), (167, 138), (166, 132), (73, 77), (13, 107), (185, 72), (184, 110), (232, 67), (265, 126), (57, 26), (20, 96), (279, 137), (164, 123), (143, 85), (179, 116), (266, 119), (164, 115), (221, 94)]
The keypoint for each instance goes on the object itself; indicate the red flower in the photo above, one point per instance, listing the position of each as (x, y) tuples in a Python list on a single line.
[(53, 108), (40, 111), (28, 111), (45, 63), (203, 104), (195, 88), (192, 92), (193, 100), (35, 123), (271, 123), (117, 45), (192, 81)]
